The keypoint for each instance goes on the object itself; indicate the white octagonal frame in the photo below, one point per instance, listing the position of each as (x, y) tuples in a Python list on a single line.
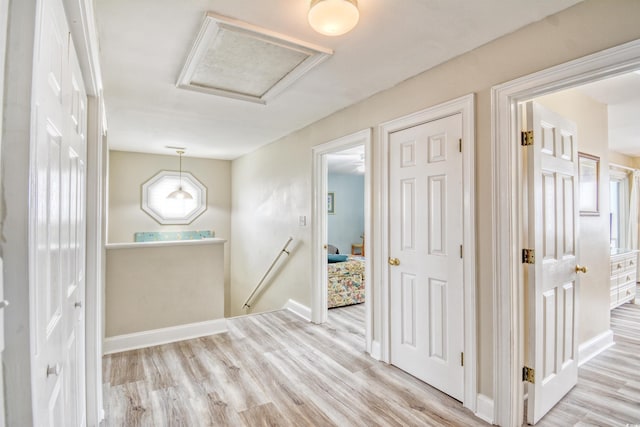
[(165, 211)]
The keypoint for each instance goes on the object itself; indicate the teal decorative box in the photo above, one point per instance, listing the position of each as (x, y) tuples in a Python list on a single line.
[(163, 236)]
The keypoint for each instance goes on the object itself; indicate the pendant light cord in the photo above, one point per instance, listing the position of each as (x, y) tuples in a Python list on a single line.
[(180, 153)]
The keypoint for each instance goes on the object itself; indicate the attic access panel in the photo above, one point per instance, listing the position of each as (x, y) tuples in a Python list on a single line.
[(238, 60)]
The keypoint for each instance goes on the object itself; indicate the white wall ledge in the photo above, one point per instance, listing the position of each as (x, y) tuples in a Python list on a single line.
[(132, 245)]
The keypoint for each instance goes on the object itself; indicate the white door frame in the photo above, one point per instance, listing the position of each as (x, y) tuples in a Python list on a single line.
[(81, 17), (465, 106), (96, 238), (4, 15), (319, 232), (506, 155)]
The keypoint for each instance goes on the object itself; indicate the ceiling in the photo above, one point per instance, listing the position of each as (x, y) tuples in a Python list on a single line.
[(145, 43), (347, 162), (622, 96)]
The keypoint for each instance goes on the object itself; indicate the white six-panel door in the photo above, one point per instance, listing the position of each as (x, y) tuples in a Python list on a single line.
[(426, 271), (3, 304), (57, 254), (552, 171)]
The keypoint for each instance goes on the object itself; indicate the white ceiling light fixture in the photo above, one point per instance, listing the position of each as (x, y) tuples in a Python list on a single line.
[(333, 17), (180, 194)]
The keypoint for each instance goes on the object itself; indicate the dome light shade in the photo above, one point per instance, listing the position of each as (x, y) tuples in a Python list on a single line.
[(333, 17), (179, 194)]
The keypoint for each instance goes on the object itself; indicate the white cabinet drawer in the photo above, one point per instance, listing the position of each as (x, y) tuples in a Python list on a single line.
[(623, 277)]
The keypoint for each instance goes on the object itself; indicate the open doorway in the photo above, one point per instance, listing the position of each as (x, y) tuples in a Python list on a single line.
[(346, 256), (549, 190), (507, 221), (578, 189), (341, 225), (346, 280)]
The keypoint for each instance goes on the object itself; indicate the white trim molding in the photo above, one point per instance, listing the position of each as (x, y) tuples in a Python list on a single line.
[(95, 269), (84, 31), (596, 345), (298, 309), (466, 106), (507, 207), (376, 350), (168, 335), (484, 408), (211, 35), (319, 278)]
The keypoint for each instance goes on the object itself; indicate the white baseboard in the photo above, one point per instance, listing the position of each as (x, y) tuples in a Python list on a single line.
[(484, 407), (595, 346), (376, 351), (153, 337), (296, 308)]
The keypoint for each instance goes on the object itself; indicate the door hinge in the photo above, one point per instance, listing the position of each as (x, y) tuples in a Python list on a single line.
[(462, 359), (526, 138), (460, 251), (460, 145), (528, 375), (528, 256)]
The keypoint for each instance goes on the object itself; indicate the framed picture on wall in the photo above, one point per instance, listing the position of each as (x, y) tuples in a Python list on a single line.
[(589, 182), (331, 203)]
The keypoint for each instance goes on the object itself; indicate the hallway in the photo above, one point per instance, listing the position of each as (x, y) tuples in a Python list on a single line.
[(608, 390), (272, 369)]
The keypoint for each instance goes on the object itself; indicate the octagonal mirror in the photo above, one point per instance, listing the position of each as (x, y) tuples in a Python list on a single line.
[(173, 211)]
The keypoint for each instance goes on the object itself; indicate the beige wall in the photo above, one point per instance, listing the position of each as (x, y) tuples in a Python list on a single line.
[(591, 119), (271, 189), (128, 171), (162, 286), (622, 160), (272, 186)]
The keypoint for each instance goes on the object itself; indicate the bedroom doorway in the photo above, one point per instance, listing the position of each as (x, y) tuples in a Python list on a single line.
[(341, 226), (510, 301), (603, 145), (345, 238)]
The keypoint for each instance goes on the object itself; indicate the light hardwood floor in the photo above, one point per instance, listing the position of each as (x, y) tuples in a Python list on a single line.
[(272, 369), (275, 369), (608, 390)]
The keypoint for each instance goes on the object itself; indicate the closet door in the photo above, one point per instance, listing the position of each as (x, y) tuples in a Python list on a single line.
[(57, 205)]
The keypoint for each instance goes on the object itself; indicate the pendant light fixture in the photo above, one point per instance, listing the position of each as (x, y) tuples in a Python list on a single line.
[(333, 17), (180, 194)]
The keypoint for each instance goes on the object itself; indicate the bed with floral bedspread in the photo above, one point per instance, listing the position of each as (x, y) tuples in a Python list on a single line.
[(346, 282)]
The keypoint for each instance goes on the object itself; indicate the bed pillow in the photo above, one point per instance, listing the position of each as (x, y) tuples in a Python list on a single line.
[(337, 258)]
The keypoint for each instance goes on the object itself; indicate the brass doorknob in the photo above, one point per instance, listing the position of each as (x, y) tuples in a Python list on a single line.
[(582, 269), (394, 261)]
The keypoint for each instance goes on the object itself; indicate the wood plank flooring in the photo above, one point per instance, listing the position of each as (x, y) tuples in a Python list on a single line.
[(275, 369), (272, 369), (608, 390)]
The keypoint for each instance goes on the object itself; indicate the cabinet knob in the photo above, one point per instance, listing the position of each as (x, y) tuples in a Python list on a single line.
[(4, 303), (394, 261)]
